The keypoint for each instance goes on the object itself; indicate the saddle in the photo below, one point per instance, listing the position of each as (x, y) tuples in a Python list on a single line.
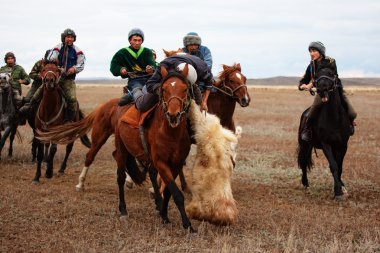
[(136, 118)]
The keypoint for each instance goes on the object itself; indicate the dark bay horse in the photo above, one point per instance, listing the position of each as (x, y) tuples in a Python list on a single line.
[(8, 114), (231, 89), (331, 132), (168, 144), (50, 113)]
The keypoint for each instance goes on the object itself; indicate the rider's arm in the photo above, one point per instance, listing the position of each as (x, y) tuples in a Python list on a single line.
[(24, 76), (305, 79), (35, 72), (207, 57), (117, 64), (154, 81), (79, 66)]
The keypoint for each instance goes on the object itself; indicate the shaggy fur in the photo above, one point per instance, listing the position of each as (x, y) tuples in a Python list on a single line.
[(212, 198)]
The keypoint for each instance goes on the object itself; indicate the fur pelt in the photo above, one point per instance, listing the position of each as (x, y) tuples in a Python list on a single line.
[(212, 198)]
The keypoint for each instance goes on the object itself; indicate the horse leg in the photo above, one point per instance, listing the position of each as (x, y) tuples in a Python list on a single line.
[(69, 148), (157, 194), (327, 150), (34, 149), (6, 133), (50, 161), (40, 156), (164, 206), (184, 185), (11, 139), (179, 200), (341, 155), (119, 155), (46, 152), (98, 138)]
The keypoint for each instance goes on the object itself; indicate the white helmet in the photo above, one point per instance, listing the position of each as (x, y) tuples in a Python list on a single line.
[(192, 74)]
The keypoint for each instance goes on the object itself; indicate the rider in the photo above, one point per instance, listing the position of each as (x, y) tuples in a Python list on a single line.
[(198, 72), (192, 43), (71, 61), (319, 60), (135, 63), (35, 75), (18, 76)]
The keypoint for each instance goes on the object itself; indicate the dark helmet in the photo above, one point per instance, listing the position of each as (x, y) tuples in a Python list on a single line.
[(9, 54), (318, 46), (192, 38), (47, 54), (66, 32), (136, 31)]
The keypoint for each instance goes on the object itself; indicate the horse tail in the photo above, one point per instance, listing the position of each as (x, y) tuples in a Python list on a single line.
[(68, 133), (134, 171), (304, 156), (84, 139)]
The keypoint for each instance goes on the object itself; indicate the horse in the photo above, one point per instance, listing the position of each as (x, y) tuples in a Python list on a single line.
[(51, 112), (231, 88), (8, 114), (167, 145), (331, 132)]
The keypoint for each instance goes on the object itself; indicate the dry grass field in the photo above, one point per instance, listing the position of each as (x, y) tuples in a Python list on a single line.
[(275, 213)]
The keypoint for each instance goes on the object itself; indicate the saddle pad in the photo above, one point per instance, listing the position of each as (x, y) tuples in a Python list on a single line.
[(134, 117)]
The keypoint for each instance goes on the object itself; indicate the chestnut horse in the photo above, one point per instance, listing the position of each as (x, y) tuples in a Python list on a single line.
[(167, 144), (50, 113)]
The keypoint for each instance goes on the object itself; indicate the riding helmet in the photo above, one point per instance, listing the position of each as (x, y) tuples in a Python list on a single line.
[(67, 32), (9, 54)]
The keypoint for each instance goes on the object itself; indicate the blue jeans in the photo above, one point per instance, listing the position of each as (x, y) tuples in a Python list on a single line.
[(135, 85)]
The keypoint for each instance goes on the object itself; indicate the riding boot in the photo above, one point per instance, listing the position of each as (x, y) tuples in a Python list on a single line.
[(25, 109), (70, 115), (125, 99)]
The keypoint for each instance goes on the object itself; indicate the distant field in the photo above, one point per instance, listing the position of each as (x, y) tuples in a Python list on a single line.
[(275, 213)]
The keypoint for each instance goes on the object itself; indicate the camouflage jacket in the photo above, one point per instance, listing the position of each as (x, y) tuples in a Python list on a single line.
[(17, 73), (35, 72)]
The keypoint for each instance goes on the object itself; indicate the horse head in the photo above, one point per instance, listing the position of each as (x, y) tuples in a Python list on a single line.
[(234, 84), (175, 98), (4, 80), (174, 52), (325, 82), (50, 75)]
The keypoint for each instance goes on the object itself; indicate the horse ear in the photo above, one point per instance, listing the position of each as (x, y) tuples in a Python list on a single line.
[(224, 67), (164, 72), (238, 67), (180, 50), (185, 70), (165, 52)]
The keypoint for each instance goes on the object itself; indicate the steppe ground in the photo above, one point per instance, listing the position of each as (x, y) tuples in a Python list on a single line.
[(275, 213)]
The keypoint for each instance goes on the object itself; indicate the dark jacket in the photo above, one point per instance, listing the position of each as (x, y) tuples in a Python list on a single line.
[(170, 63), (315, 66)]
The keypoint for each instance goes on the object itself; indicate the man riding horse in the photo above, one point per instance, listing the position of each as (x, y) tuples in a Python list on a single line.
[(71, 61), (18, 76), (319, 60)]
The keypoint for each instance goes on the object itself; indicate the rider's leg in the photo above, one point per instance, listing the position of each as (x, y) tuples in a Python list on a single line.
[(69, 90), (134, 90), (306, 131), (197, 94), (146, 101)]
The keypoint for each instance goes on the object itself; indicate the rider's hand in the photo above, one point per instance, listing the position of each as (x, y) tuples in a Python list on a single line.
[(70, 71), (123, 71), (149, 69), (204, 106), (306, 86), (20, 81)]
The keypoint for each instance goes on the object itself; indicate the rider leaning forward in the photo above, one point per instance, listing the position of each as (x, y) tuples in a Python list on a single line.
[(319, 60)]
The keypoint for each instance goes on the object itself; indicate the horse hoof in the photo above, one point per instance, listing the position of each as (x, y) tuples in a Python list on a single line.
[(60, 173), (129, 184), (192, 230), (123, 218), (36, 182), (165, 221), (79, 189), (340, 198), (345, 192), (49, 175)]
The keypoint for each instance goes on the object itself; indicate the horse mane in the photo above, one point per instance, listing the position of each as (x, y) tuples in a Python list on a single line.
[(228, 70)]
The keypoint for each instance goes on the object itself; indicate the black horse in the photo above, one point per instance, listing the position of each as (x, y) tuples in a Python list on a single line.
[(330, 131), (8, 113)]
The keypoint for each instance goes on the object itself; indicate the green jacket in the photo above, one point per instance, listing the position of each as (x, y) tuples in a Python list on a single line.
[(134, 62), (17, 73), (35, 72)]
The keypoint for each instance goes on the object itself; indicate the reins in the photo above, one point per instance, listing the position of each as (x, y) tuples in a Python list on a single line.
[(227, 90)]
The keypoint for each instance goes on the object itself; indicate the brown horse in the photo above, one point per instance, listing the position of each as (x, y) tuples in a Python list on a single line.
[(231, 89), (168, 144), (50, 113)]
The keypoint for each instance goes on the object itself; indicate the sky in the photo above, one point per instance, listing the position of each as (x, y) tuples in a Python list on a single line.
[(268, 38)]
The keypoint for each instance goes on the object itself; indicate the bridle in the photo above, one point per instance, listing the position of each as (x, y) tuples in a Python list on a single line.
[(223, 88), (334, 80)]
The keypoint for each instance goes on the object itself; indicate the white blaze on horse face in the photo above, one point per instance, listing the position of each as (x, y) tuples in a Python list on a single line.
[(238, 75), (173, 83)]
